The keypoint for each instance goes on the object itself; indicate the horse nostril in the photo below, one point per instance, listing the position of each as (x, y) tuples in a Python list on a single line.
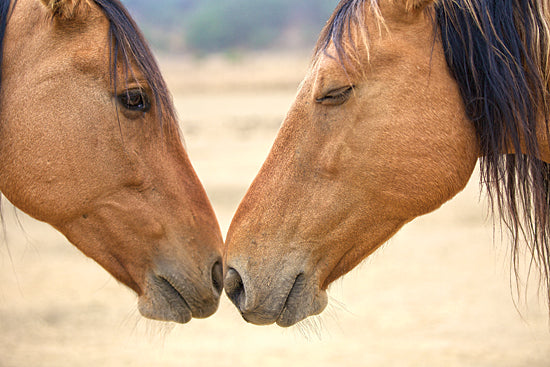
[(234, 287), (217, 277)]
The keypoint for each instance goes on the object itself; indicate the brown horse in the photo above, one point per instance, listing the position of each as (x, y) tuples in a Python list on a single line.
[(90, 144), (401, 99)]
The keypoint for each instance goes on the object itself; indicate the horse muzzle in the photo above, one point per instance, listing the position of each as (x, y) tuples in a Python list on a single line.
[(174, 295), (285, 300)]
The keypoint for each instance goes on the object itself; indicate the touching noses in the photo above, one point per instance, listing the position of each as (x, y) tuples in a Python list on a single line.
[(217, 277), (234, 288)]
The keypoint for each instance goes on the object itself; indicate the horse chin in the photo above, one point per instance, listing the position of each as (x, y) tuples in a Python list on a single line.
[(170, 299)]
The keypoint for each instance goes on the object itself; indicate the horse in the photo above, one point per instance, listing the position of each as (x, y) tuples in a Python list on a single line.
[(401, 100), (91, 145)]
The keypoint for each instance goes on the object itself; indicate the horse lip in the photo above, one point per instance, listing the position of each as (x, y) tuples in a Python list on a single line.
[(289, 307), (294, 295), (174, 298), (169, 287), (270, 311)]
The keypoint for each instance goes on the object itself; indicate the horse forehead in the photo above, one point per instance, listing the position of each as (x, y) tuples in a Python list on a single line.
[(94, 60), (82, 42), (89, 47)]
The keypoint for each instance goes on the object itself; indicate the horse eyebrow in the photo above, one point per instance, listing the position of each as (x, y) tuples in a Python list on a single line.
[(128, 47)]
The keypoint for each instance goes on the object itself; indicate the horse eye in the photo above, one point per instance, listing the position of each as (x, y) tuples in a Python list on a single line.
[(336, 97), (135, 100)]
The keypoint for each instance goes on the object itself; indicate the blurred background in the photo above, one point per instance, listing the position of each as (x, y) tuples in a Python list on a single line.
[(217, 26), (438, 294)]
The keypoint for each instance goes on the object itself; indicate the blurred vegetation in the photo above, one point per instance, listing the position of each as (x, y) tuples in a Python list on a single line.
[(205, 26)]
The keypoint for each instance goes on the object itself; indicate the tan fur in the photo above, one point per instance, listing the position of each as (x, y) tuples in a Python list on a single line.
[(121, 189)]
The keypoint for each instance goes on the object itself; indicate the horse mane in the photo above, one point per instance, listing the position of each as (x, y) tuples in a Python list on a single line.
[(128, 48), (499, 54)]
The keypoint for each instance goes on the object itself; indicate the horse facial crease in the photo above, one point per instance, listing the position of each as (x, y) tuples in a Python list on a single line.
[(376, 137), (84, 149)]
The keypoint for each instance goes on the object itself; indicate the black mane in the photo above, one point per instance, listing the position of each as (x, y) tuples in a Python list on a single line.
[(496, 51)]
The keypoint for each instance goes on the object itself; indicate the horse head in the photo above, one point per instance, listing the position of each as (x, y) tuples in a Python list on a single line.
[(377, 136), (90, 145)]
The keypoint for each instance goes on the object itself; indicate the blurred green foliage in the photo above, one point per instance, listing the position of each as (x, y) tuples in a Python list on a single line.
[(204, 26)]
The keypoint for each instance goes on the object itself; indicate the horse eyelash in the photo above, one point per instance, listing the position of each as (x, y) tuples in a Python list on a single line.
[(343, 94)]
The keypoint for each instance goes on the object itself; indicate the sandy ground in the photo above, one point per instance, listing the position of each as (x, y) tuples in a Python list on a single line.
[(438, 294)]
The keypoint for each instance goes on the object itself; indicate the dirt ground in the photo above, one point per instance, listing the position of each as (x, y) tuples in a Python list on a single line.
[(438, 294)]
